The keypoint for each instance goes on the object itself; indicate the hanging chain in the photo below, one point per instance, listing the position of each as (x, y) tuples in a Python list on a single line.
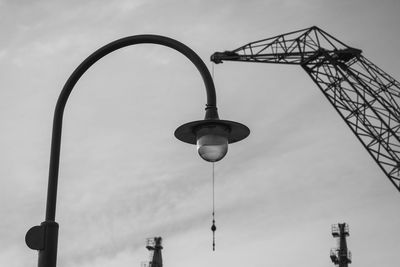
[(213, 227)]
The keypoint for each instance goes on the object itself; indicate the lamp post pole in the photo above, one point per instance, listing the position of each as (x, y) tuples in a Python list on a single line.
[(44, 238)]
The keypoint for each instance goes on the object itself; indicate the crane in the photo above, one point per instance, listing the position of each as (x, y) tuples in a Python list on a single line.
[(364, 95), (341, 255), (154, 245)]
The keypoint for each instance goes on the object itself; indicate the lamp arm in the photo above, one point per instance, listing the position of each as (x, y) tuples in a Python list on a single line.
[(44, 238), (211, 106)]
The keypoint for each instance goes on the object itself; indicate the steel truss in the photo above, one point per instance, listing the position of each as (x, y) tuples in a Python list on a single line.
[(365, 96)]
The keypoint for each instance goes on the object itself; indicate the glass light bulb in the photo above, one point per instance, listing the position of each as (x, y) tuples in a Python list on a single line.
[(212, 147)]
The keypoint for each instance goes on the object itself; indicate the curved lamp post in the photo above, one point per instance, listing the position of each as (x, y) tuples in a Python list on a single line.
[(211, 135)]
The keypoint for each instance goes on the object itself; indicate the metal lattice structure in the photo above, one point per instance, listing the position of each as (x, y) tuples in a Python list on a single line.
[(365, 96)]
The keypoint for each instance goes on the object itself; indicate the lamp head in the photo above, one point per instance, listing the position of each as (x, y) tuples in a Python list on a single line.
[(212, 136)]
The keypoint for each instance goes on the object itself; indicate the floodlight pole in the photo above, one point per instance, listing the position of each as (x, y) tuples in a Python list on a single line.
[(44, 238)]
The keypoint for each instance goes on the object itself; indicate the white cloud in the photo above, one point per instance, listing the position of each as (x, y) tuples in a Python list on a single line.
[(3, 53)]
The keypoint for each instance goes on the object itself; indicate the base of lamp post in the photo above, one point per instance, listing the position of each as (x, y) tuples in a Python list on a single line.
[(43, 238)]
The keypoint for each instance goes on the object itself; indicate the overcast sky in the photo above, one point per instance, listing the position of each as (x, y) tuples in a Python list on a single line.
[(123, 175)]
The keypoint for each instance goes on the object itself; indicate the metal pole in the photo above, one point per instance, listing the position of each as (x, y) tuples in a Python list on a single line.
[(44, 237)]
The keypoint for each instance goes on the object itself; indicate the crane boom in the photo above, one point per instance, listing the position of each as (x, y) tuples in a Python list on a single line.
[(365, 96)]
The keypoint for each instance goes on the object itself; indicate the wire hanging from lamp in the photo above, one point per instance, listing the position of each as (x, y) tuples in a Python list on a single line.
[(213, 227)]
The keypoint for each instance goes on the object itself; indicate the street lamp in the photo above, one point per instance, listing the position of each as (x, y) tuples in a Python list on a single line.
[(211, 136)]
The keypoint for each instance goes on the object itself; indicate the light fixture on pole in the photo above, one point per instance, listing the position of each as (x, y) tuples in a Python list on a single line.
[(211, 135)]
